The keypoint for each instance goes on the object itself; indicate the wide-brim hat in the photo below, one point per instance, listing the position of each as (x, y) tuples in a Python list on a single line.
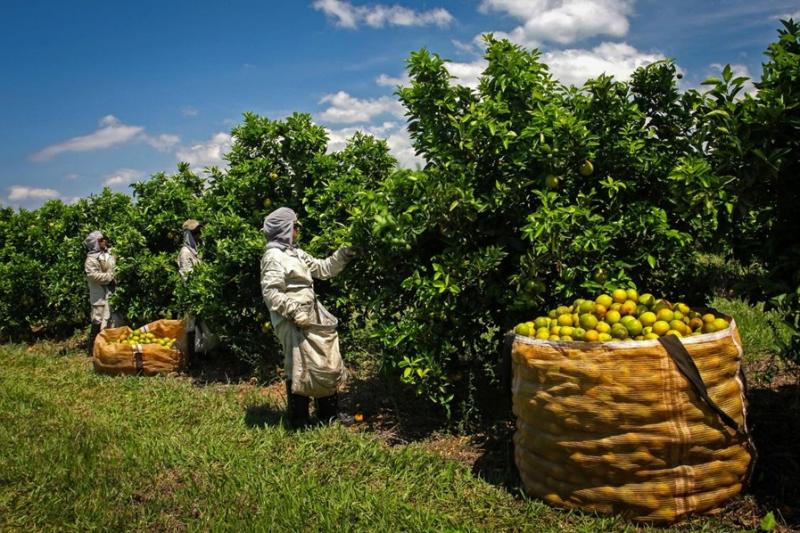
[(191, 224)]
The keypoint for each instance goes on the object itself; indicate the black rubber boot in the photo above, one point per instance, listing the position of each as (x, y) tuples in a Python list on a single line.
[(296, 408), (93, 333), (328, 411), (190, 353)]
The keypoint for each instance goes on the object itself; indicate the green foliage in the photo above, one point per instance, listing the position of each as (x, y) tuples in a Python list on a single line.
[(499, 224), (466, 247)]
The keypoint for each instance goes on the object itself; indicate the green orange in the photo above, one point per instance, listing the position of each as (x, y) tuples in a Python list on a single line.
[(660, 327)]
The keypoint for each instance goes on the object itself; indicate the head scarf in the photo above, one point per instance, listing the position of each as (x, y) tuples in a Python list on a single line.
[(278, 227), (92, 243), (188, 240)]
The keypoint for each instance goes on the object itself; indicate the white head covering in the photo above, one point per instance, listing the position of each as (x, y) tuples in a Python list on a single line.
[(92, 242), (278, 227)]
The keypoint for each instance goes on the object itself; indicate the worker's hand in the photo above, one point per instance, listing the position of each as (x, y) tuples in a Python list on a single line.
[(302, 320), (351, 252)]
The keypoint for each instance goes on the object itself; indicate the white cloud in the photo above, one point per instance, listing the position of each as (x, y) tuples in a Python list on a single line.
[(395, 135), (337, 139), (189, 111), (17, 193), (207, 154), (111, 132), (563, 21), (715, 69), (163, 142), (400, 145), (72, 176), (347, 15), (575, 66), (345, 109), (384, 80), (122, 177), (467, 48), (467, 73)]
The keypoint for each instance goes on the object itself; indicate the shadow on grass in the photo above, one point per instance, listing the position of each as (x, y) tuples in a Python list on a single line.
[(219, 367), (496, 462), (261, 416), (398, 416), (774, 417)]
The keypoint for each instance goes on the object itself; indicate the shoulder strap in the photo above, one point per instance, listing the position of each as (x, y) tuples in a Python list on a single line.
[(677, 351)]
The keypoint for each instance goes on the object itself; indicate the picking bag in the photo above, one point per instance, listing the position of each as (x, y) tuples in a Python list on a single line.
[(109, 357), (629, 427), (317, 366)]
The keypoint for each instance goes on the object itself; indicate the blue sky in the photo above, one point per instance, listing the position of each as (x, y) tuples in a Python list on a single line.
[(105, 93)]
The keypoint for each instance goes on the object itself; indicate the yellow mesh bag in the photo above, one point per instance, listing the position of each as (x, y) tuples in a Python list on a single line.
[(617, 427), (148, 359)]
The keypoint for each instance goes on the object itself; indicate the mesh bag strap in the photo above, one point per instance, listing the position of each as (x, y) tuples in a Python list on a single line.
[(677, 351)]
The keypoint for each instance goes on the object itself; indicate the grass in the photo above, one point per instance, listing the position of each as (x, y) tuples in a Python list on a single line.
[(81, 451), (761, 330)]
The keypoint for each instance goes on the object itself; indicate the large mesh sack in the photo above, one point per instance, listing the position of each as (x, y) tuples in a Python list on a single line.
[(618, 427), (109, 357)]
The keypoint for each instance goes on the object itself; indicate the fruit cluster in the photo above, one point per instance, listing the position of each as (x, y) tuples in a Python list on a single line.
[(145, 337), (623, 315)]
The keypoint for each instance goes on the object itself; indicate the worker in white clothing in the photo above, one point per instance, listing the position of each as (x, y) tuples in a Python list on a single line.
[(100, 268)]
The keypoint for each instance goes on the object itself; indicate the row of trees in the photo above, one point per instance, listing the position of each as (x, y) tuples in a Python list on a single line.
[(500, 222)]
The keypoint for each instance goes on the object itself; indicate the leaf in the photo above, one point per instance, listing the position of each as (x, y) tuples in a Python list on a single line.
[(651, 261), (718, 112), (768, 523)]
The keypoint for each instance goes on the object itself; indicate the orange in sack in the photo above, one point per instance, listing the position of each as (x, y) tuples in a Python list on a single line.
[(156, 348), (654, 430)]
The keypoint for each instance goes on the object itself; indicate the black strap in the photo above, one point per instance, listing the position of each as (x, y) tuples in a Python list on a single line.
[(685, 363), (137, 359)]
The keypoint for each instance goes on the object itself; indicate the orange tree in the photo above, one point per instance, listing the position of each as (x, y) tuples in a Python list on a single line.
[(501, 221), (505, 218), (274, 163), (42, 284), (754, 141)]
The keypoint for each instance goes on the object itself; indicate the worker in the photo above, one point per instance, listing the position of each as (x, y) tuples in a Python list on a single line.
[(196, 336), (305, 329), (100, 268)]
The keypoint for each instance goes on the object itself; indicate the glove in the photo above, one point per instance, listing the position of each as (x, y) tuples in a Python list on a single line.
[(351, 252), (302, 320)]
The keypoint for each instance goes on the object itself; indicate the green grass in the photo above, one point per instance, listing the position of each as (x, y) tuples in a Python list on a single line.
[(761, 330), (80, 451)]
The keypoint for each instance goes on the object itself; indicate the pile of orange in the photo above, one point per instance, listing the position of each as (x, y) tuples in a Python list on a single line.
[(623, 315)]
